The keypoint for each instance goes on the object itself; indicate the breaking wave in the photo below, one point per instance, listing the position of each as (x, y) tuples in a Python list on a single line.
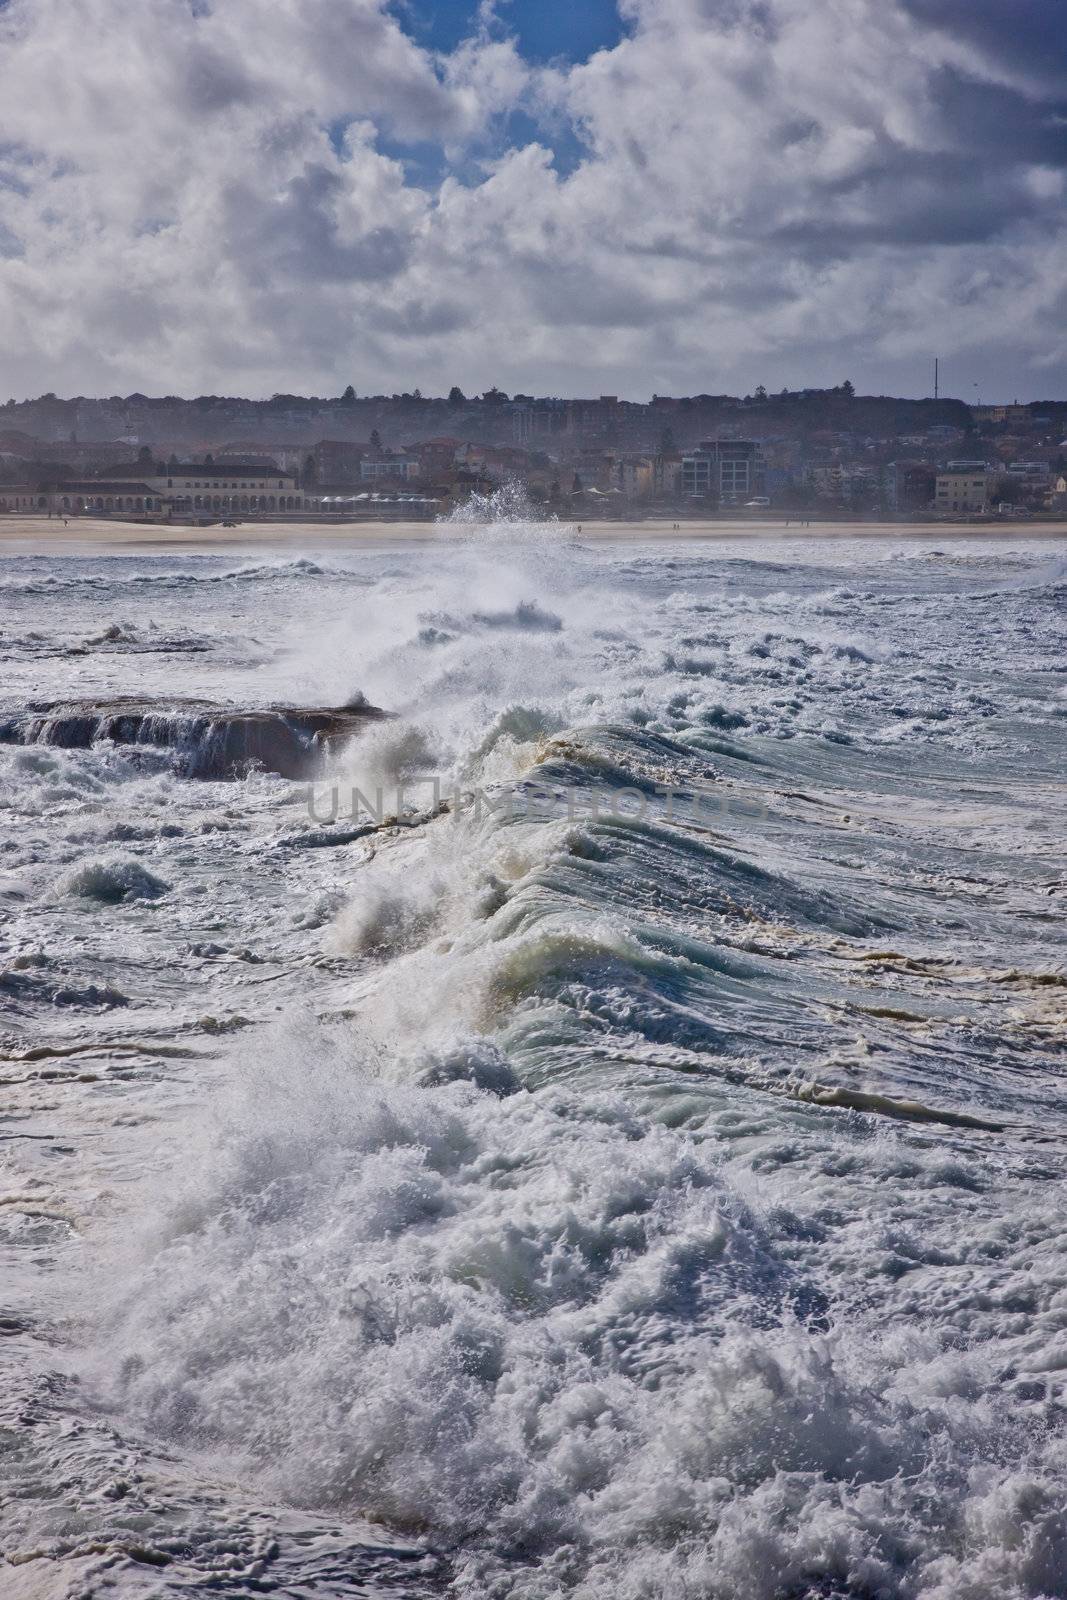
[(655, 1194), (560, 1340)]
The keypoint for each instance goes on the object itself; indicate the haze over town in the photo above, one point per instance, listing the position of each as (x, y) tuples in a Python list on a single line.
[(827, 453)]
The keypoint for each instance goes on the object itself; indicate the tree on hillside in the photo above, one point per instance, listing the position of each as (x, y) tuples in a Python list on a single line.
[(349, 396), (376, 442), (456, 397)]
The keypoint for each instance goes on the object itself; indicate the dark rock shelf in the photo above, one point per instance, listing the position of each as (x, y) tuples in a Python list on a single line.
[(212, 741)]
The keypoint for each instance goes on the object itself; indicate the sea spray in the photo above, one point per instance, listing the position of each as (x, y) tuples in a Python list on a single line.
[(611, 1205), (555, 1335)]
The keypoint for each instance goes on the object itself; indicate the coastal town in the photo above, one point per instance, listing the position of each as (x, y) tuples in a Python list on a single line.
[(812, 453)]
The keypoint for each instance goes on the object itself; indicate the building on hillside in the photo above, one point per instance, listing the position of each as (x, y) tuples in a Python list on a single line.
[(521, 411), (726, 470), (15, 443), (667, 475), (957, 492), (246, 461), (1001, 414), (251, 452), (388, 468), (633, 475), (503, 463), (437, 457), (540, 424), (910, 485), (938, 432), (339, 460), (782, 456), (84, 458), (846, 483), (593, 418), (536, 419), (611, 471)]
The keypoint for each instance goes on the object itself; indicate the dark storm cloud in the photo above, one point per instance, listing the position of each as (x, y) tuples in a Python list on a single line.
[(1029, 35), (1002, 124)]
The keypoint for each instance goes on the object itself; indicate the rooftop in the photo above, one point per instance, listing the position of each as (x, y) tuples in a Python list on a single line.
[(224, 469), (91, 486)]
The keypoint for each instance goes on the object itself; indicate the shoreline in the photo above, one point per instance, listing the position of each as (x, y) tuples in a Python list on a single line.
[(29, 535)]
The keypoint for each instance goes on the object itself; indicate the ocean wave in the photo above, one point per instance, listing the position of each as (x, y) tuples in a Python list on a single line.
[(110, 576), (556, 1335), (653, 1195), (113, 881)]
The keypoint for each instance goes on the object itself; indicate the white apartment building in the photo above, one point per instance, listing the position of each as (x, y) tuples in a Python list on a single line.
[(961, 492)]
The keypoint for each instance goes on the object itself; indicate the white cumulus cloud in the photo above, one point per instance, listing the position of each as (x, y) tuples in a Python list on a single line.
[(221, 195)]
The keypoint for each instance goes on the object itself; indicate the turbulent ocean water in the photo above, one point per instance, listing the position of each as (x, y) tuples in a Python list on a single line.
[(638, 1175)]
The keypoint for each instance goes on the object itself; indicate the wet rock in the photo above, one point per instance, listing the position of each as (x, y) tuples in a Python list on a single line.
[(212, 741)]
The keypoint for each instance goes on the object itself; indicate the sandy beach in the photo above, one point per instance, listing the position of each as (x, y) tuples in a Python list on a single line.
[(41, 535)]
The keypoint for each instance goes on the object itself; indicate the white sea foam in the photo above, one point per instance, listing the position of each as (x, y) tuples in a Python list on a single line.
[(112, 881), (555, 1334), (650, 1205)]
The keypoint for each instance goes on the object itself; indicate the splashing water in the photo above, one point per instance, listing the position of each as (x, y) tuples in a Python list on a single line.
[(506, 510), (648, 1202)]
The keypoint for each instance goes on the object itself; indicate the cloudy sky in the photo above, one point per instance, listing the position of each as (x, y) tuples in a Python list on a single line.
[(565, 196)]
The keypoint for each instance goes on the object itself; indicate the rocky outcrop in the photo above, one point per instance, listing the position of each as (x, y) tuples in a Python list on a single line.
[(211, 741)]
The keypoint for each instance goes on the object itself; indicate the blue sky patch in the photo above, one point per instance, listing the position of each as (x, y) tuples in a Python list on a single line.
[(546, 30)]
